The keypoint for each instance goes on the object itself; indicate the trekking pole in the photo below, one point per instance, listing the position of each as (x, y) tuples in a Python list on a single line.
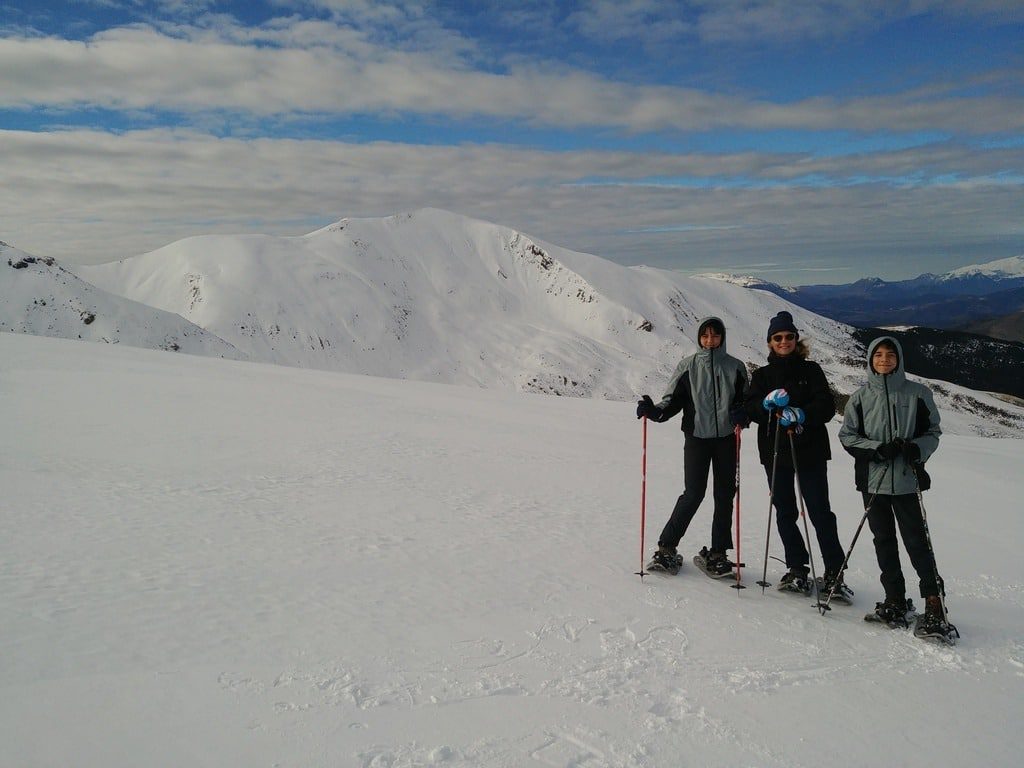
[(825, 606), (928, 538), (803, 512), (763, 583), (739, 560), (643, 502)]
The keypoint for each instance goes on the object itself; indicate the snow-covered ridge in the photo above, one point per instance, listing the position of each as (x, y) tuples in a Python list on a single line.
[(39, 296), (1001, 268), (431, 295), (747, 281), (434, 296)]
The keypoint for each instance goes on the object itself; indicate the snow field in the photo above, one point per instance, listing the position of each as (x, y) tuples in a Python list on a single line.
[(212, 563)]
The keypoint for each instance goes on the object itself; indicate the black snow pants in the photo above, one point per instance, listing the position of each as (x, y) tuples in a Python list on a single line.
[(814, 485), (699, 455), (884, 514)]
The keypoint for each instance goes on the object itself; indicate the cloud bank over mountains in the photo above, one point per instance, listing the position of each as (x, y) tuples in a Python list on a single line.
[(825, 138)]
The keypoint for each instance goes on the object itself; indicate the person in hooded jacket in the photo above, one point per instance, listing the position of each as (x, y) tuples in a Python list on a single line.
[(790, 400), (891, 428), (707, 387)]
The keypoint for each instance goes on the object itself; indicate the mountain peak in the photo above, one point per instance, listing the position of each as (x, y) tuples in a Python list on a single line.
[(435, 216), (436, 296), (1010, 267)]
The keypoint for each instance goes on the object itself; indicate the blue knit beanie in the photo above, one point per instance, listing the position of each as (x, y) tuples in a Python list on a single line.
[(782, 322)]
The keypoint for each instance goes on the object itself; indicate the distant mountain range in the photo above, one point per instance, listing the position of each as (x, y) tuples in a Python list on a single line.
[(965, 326), (970, 297), (430, 296)]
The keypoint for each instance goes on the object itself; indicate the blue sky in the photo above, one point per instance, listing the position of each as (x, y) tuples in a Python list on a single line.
[(803, 141)]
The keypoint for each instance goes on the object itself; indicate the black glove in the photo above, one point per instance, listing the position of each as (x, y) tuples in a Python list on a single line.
[(889, 451), (910, 451), (646, 407), (739, 417)]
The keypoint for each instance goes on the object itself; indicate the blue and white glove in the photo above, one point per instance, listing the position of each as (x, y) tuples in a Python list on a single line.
[(790, 416), (777, 398)]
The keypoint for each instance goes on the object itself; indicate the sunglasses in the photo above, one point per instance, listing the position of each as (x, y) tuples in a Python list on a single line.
[(784, 337)]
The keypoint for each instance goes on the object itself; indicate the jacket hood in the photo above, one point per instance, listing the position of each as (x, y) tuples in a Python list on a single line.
[(898, 374), (700, 327)]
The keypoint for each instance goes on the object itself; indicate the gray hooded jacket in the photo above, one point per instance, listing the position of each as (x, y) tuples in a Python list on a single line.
[(886, 408), (705, 386)]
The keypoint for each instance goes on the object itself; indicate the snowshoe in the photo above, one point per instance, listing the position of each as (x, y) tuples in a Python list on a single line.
[(933, 625), (666, 560), (834, 584), (895, 614), (795, 581), (714, 564)]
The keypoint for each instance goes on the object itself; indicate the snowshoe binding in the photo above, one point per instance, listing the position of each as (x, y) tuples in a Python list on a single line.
[(933, 624), (833, 583), (666, 560), (795, 581), (714, 564), (894, 613)]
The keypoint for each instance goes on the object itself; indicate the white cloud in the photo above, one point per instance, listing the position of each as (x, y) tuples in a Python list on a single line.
[(324, 68), (91, 196), (779, 22)]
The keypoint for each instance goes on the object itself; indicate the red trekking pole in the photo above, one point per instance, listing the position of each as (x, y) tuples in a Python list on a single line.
[(739, 560), (643, 503)]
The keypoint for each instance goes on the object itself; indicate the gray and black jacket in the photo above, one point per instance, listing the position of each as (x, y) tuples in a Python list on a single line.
[(706, 386), (886, 408)]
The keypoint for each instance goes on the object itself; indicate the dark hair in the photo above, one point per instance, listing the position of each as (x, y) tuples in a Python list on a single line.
[(885, 343)]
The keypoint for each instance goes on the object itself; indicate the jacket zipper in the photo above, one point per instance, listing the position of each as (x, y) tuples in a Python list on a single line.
[(714, 389), (889, 415)]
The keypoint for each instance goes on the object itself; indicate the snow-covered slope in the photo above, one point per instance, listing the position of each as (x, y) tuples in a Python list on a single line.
[(41, 297), (332, 570), (440, 297), (1011, 267), (435, 296)]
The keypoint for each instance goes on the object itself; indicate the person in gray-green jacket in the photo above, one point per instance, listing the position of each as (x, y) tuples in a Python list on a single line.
[(891, 428), (707, 387)]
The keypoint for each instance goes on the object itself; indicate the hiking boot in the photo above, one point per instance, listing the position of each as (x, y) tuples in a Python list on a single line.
[(933, 622), (666, 559), (893, 611), (717, 563), (832, 583), (796, 580)]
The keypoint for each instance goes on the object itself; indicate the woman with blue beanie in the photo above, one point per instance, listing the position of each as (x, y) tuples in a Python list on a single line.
[(790, 394)]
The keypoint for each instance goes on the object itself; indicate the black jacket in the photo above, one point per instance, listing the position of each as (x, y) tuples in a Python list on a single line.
[(808, 389)]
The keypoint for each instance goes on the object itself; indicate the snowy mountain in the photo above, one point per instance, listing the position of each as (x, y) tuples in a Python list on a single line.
[(434, 296), (439, 297), (304, 568), (1001, 269), (41, 297)]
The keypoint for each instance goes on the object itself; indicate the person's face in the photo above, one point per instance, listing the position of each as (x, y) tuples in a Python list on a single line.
[(884, 360), (710, 338), (782, 343)]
